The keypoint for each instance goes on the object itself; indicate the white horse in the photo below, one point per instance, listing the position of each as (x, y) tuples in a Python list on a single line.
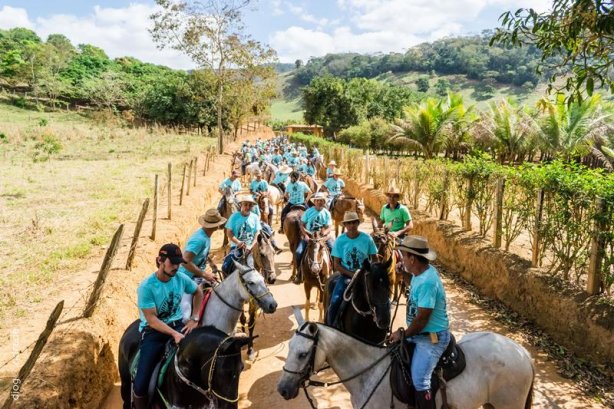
[(499, 372), (277, 198), (251, 168)]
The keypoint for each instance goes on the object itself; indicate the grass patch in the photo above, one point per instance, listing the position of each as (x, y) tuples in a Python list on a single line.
[(282, 110), (56, 212)]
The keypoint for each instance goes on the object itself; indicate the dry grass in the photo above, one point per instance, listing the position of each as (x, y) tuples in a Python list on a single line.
[(57, 209)]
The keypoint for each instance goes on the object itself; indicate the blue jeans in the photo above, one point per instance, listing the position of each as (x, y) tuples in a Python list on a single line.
[(235, 254), (426, 356), (152, 348), (336, 298)]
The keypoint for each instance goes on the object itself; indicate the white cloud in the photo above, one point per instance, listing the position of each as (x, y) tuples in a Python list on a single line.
[(301, 13), (118, 31), (276, 8), (13, 17), (371, 26)]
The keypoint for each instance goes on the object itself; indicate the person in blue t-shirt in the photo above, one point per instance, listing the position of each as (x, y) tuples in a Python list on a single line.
[(428, 326), (349, 252), (307, 168), (231, 182), (330, 169), (296, 192), (281, 176), (316, 220), (159, 297), (196, 254), (334, 185), (242, 229), (277, 158)]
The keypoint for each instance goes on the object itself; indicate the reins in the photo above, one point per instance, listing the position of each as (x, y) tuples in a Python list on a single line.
[(309, 370), (210, 393)]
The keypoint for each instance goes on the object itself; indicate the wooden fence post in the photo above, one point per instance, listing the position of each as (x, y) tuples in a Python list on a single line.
[(597, 248), (443, 211), (468, 206), (416, 188), (182, 184), (169, 192), (187, 192), (154, 218), (195, 170), (36, 351), (104, 271), (498, 213), (137, 232), (367, 168), (206, 163), (539, 209)]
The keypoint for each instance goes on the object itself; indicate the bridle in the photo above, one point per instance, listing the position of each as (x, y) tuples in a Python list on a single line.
[(252, 296), (210, 393), (305, 374), (348, 295), (313, 262)]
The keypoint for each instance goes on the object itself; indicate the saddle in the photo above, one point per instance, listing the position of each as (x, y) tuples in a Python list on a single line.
[(157, 376), (452, 363)]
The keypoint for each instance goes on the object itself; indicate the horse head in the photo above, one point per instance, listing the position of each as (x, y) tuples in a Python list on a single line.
[(377, 290), (317, 252), (254, 286), (266, 258), (303, 358), (360, 209), (215, 359), (263, 202), (383, 241)]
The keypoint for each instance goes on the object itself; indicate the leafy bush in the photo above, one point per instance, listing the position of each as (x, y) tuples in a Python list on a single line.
[(48, 145)]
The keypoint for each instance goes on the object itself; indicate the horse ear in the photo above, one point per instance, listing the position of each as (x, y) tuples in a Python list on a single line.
[(242, 269), (366, 265), (240, 340), (298, 315), (312, 329), (374, 224)]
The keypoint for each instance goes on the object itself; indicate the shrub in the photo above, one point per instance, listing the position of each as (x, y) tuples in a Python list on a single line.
[(48, 145)]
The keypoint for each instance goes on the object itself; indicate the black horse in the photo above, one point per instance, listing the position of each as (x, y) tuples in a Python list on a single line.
[(366, 315), (205, 369)]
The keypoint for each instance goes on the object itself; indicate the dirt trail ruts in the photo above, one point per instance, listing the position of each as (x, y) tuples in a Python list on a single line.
[(259, 380)]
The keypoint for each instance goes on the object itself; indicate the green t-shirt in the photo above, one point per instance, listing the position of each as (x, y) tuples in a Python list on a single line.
[(399, 216)]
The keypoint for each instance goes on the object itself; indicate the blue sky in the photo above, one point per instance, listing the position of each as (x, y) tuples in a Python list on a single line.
[(295, 28)]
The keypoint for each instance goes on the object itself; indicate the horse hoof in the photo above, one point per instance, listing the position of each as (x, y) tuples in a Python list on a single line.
[(272, 280), (251, 356)]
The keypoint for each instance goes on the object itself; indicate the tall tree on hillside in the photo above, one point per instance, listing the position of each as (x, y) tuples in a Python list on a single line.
[(212, 34), (575, 130), (579, 33)]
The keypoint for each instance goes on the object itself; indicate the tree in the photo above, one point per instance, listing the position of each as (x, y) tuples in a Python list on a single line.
[(423, 84), (425, 126), (574, 34), (574, 130), (298, 64), (211, 33), (507, 130)]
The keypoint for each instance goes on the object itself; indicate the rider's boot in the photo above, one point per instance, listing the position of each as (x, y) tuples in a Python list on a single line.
[(140, 402), (298, 279), (425, 400)]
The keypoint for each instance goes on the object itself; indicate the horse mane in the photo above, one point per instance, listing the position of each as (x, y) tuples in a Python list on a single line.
[(346, 334)]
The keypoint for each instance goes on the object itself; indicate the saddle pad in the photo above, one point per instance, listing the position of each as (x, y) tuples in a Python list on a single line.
[(203, 305), (452, 362), (160, 369)]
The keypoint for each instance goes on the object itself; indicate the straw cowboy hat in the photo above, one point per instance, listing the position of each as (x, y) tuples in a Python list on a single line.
[(212, 218), (245, 198), (319, 196), (393, 191), (350, 217), (257, 172), (285, 169), (337, 173), (332, 162), (419, 246)]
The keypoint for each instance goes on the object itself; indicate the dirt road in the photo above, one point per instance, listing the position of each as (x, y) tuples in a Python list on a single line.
[(258, 381)]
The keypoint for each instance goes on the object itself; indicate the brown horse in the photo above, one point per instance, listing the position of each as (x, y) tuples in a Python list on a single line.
[(230, 206), (344, 204), (385, 244), (264, 200), (264, 262), (310, 181), (316, 267), (292, 230)]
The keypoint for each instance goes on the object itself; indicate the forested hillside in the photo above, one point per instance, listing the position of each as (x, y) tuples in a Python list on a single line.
[(54, 73)]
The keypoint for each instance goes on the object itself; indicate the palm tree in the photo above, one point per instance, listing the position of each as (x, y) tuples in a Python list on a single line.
[(458, 136), (507, 130), (424, 128), (578, 130)]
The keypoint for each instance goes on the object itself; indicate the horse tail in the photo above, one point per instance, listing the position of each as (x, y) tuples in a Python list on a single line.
[(529, 402)]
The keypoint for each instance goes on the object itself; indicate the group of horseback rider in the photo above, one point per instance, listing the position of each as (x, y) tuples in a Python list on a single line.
[(169, 298)]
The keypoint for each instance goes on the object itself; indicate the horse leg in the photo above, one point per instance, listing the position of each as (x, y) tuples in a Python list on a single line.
[(243, 321), (251, 355), (320, 305)]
